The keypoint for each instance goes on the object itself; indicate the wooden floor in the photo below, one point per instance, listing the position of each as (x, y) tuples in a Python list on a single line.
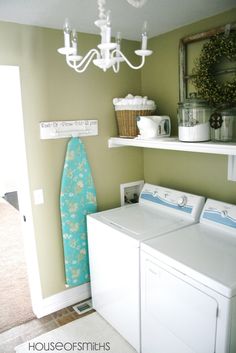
[(19, 334)]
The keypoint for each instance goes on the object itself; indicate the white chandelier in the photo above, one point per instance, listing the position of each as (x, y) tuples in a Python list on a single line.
[(107, 54)]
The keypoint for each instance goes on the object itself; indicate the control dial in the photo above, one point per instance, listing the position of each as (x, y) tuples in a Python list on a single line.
[(182, 201), (224, 213)]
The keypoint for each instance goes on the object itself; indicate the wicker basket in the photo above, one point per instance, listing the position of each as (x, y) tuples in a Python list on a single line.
[(127, 123)]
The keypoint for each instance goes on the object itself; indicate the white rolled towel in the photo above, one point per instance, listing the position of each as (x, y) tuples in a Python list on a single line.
[(131, 102), (129, 96)]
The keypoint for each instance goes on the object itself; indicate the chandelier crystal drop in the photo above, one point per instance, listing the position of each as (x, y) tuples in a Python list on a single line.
[(107, 54)]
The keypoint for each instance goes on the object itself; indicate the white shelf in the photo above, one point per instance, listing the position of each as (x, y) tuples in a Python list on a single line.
[(174, 144)]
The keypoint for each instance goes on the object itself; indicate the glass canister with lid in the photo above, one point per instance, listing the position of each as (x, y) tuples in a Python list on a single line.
[(193, 120), (223, 124)]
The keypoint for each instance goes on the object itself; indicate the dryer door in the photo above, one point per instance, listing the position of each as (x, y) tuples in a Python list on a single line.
[(176, 317)]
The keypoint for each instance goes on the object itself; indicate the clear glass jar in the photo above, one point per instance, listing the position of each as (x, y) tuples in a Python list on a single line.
[(223, 125), (193, 120)]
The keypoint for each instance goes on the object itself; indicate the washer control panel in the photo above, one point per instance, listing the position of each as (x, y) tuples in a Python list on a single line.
[(174, 200), (220, 214)]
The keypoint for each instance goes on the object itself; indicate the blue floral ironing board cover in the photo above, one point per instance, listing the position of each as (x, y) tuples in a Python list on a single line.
[(77, 199)]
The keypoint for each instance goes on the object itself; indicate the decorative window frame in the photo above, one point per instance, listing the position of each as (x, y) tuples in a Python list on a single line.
[(183, 43)]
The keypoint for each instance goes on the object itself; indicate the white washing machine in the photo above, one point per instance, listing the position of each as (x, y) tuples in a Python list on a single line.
[(114, 238), (188, 291)]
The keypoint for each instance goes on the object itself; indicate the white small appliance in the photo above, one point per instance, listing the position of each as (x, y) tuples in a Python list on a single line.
[(114, 238), (189, 286), (151, 127)]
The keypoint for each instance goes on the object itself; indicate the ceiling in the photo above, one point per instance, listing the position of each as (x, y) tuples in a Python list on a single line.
[(162, 15)]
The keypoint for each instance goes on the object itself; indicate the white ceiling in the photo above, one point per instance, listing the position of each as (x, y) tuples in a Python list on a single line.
[(162, 15)]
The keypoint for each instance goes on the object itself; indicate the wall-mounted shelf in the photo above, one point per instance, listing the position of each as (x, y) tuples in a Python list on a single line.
[(174, 144)]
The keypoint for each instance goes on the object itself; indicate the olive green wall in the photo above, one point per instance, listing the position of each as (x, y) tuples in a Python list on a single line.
[(53, 91), (193, 172)]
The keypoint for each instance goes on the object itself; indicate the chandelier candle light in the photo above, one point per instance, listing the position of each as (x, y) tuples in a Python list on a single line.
[(109, 53)]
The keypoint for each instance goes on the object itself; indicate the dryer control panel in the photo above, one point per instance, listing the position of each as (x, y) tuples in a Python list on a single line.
[(220, 214), (177, 201)]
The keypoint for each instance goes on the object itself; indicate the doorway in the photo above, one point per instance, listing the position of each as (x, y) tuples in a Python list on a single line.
[(16, 230)]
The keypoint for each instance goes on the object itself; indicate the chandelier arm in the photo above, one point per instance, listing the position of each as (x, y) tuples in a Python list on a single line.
[(88, 57), (69, 62), (127, 61), (116, 67), (94, 52)]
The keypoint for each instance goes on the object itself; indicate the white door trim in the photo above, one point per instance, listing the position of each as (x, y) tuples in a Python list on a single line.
[(25, 208), (41, 306), (62, 300)]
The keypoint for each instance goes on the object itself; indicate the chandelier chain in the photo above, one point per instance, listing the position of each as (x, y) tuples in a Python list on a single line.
[(101, 9)]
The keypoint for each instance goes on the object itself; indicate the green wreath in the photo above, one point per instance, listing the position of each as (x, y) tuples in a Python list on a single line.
[(209, 88)]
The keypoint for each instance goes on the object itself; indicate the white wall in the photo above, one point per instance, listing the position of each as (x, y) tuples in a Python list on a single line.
[(10, 115)]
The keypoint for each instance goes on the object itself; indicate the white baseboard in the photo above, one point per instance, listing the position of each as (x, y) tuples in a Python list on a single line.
[(62, 300)]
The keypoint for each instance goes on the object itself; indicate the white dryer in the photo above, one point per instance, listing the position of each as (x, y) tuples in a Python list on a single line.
[(188, 292), (114, 238)]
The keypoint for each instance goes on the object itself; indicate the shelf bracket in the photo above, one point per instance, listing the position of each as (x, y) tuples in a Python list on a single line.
[(232, 167)]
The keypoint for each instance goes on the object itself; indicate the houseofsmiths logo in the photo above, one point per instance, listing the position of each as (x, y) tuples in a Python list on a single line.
[(69, 346)]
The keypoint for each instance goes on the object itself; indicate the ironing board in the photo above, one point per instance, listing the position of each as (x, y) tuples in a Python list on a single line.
[(77, 199)]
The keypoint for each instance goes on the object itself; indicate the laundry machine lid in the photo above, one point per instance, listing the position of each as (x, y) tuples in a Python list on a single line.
[(202, 252), (159, 211), (142, 222)]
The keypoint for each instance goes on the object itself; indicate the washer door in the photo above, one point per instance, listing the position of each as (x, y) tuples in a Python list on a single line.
[(176, 317), (114, 269)]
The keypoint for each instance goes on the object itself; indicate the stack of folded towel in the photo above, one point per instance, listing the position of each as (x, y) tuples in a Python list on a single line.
[(131, 102)]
